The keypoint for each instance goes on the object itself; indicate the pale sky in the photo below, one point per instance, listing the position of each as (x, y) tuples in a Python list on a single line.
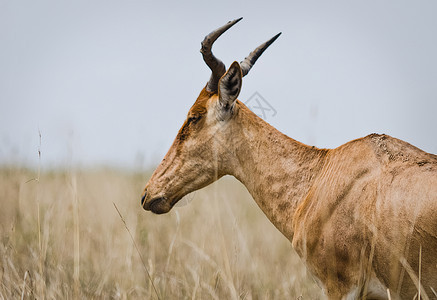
[(110, 82)]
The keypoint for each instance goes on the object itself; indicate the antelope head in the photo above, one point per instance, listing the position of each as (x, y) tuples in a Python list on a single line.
[(199, 154)]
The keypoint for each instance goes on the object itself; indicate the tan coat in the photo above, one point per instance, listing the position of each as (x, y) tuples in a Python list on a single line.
[(362, 216)]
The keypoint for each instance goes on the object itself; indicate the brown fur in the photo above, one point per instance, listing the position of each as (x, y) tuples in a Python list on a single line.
[(360, 215)]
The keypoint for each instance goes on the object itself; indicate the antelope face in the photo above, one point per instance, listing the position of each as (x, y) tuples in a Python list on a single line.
[(197, 156), (187, 165)]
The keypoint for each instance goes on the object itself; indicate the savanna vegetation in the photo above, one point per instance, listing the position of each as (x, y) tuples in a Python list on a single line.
[(61, 237)]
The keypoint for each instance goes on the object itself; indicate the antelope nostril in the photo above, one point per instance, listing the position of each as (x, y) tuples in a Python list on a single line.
[(143, 198)]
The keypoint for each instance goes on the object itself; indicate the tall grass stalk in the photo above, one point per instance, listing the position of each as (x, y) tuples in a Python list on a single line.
[(139, 253), (76, 237)]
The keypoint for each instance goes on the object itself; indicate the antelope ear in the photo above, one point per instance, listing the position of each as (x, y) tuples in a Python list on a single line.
[(229, 87)]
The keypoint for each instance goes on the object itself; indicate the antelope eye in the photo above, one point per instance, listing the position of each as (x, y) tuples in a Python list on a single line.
[(193, 119)]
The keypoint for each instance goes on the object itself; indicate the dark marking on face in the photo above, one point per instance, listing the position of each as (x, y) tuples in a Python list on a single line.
[(284, 206), (195, 116)]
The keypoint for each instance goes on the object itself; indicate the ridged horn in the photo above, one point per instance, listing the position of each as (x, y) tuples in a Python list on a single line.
[(216, 65), (249, 61)]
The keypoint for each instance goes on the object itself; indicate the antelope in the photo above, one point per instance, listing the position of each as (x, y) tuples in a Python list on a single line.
[(363, 216)]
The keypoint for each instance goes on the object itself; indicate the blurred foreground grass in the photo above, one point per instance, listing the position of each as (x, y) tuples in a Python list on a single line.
[(61, 238)]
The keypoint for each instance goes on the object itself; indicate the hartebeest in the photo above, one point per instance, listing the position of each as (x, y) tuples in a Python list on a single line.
[(363, 216)]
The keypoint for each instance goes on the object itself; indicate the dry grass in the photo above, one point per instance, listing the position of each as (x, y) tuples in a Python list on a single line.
[(61, 238)]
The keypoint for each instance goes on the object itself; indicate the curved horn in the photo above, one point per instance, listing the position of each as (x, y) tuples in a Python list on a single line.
[(216, 65), (249, 61)]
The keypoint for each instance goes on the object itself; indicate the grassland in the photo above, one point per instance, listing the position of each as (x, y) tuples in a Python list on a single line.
[(62, 238)]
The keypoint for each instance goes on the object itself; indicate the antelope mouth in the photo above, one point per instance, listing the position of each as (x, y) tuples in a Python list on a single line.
[(160, 205)]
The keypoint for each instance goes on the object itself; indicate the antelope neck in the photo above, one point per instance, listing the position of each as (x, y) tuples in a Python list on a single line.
[(278, 171)]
